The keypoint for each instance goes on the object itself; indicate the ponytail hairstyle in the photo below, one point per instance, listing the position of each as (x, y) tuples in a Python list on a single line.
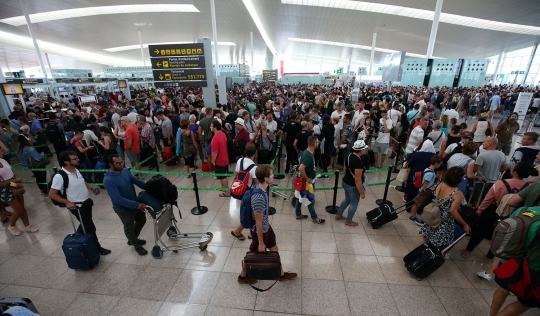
[(525, 170)]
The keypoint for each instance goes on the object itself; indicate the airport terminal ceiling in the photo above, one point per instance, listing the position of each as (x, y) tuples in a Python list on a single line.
[(312, 31)]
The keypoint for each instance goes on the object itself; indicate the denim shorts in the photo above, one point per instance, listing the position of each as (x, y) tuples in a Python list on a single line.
[(133, 157)]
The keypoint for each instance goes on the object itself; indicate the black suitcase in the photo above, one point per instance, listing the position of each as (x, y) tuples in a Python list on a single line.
[(263, 266), (383, 214), (426, 259), (7, 302)]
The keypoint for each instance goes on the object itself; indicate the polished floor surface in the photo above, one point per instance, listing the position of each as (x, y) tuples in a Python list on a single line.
[(341, 270)]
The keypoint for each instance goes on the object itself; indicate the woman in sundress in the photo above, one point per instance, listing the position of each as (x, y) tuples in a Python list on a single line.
[(449, 198)]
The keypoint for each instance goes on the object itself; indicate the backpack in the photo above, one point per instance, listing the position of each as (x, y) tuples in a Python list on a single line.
[(62, 193), (503, 209), (53, 132), (246, 213), (432, 212), (162, 189), (510, 236), (418, 178), (240, 182)]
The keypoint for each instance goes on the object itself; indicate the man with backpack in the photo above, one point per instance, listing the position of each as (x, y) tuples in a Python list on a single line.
[(254, 215), (68, 189), (244, 180), (54, 130)]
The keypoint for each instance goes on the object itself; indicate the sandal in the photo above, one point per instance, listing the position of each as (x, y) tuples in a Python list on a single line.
[(351, 223), (337, 217), (224, 195), (302, 217), (319, 221), (239, 237)]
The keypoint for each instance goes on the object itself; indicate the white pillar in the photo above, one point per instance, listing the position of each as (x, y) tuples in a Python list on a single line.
[(251, 37), (140, 43), (529, 63), (499, 63), (434, 26), (214, 32), (372, 53), (36, 47), (6, 101)]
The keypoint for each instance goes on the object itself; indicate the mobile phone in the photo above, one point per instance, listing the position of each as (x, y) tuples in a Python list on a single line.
[(96, 190)]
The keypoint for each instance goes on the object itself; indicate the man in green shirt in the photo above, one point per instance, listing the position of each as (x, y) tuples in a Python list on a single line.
[(204, 131), (308, 172), (530, 196), (251, 107)]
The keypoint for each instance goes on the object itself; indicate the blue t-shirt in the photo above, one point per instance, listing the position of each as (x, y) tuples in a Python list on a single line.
[(429, 176)]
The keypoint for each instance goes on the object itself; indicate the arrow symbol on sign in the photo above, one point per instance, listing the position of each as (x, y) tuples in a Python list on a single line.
[(158, 64), (156, 51), (160, 77)]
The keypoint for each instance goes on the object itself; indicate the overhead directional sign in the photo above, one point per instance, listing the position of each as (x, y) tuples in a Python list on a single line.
[(176, 50), (25, 81), (172, 84), (178, 62), (179, 74), (270, 75)]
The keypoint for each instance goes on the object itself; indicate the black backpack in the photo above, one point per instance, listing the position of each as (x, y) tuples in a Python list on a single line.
[(162, 189), (53, 132), (62, 193)]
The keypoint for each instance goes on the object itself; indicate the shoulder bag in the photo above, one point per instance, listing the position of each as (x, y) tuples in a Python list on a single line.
[(37, 163)]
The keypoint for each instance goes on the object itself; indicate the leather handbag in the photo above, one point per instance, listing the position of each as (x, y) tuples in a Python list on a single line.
[(37, 163), (263, 266)]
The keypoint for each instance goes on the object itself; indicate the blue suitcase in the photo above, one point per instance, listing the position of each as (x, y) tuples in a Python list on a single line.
[(8, 302), (81, 250)]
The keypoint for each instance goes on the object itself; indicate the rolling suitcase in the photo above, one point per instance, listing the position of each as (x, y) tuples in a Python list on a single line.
[(427, 258), (81, 250), (383, 214), (8, 302)]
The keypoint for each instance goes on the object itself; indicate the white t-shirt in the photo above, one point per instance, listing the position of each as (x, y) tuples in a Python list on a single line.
[(132, 116), (536, 102), (247, 162), (394, 115), (384, 138), (340, 115), (5, 172), (115, 119), (272, 126), (89, 137), (451, 114), (417, 134), (357, 117), (76, 190)]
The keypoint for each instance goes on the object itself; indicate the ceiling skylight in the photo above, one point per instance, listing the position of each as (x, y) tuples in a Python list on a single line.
[(419, 14), (91, 11), (138, 46), (383, 50), (258, 23)]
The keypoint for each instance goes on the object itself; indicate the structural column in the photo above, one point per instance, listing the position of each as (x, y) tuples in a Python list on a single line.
[(214, 32), (500, 62), (529, 63), (251, 37), (434, 27), (6, 101), (372, 53), (140, 43), (36, 47)]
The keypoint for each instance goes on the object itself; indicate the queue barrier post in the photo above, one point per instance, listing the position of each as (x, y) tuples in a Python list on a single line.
[(198, 210), (332, 209), (384, 201), (271, 210), (399, 188), (278, 157), (156, 161), (394, 168)]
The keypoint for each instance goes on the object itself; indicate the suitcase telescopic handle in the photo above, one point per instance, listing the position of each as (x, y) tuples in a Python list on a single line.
[(80, 221)]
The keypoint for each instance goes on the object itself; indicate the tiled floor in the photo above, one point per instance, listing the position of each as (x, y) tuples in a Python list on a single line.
[(342, 270)]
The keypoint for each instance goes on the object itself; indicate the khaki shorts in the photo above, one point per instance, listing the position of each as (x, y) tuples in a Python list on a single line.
[(380, 148)]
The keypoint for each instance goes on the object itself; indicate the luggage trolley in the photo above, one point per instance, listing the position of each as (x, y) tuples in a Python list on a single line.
[(165, 222), (285, 194)]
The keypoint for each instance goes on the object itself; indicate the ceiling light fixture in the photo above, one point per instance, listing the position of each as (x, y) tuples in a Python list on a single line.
[(383, 50), (138, 46), (91, 11), (419, 14), (258, 23)]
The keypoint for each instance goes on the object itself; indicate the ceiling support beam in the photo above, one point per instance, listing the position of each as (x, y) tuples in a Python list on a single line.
[(372, 53), (535, 47), (500, 62), (36, 46), (140, 43), (434, 27), (251, 38)]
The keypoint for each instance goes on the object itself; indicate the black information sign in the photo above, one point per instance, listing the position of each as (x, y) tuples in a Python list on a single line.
[(270, 75), (178, 62), (176, 50), (25, 81), (179, 74), (172, 84)]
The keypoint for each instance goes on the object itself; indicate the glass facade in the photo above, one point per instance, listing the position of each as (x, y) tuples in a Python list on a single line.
[(513, 69)]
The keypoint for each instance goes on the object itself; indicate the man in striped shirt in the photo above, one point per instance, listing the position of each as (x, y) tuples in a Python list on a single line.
[(263, 235)]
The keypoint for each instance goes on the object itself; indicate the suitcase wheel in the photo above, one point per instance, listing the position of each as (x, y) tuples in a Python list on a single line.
[(203, 247), (374, 226), (172, 231), (157, 253)]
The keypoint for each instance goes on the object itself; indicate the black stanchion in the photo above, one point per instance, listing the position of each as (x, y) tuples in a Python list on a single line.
[(198, 210), (399, 188), (278, 157), (384, 201), (332, 209), (156, 161), (395, 169), (271, 210)]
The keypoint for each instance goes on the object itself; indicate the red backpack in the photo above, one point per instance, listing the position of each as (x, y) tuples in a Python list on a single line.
[(240, 182)]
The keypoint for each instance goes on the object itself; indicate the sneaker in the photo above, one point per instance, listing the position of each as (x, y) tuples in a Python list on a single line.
[(14, 231), (419, 222), (141, 251), (412, 218), (141, 242), (31, 229), (244, 280), (325, 177), (287, 276), (482, 274)]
